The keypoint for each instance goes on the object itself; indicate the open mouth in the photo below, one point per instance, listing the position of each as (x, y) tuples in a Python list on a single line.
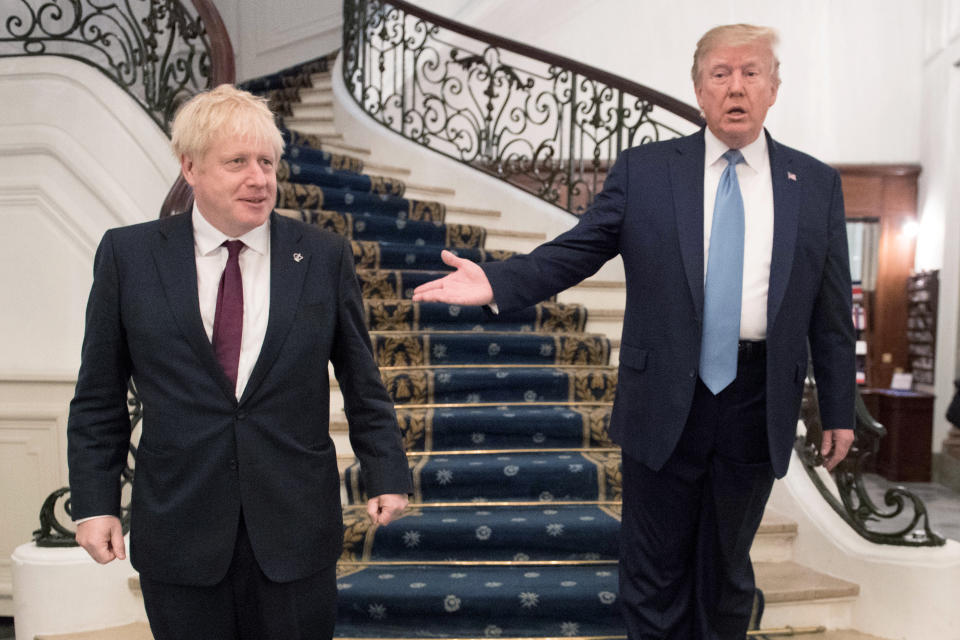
[(736, 111)]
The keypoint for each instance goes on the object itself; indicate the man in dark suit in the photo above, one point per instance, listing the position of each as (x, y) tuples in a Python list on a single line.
[(720, 311), (226, 318)]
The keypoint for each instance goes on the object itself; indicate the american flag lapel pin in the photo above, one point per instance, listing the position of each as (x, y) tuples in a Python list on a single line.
[(791, 176), (297, 257)]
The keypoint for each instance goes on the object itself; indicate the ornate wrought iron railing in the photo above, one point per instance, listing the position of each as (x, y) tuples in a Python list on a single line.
[(904, 521), (547, 124), (53, 532), (158, 51)]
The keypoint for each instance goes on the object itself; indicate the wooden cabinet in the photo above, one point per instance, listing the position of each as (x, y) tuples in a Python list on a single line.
[(904, 454)]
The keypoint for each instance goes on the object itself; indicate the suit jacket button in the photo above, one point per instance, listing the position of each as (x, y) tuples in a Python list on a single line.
[(692, 374), (233, 465), (241, 415)]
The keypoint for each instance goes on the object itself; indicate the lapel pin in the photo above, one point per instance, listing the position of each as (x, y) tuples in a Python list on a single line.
[(297, 257), (791, 176)]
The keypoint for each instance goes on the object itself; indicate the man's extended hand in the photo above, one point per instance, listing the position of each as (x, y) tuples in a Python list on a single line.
[(836, 443), (102, 537), (384, 508), (467, 285)]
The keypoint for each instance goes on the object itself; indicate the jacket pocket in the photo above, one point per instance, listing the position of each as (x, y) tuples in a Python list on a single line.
[(633, 357)]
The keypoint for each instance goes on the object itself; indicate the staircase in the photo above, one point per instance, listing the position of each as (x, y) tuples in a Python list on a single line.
[(513, 527)]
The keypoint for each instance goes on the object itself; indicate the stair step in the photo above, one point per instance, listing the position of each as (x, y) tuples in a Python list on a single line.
[(510, 233), (319, 110), (318, 127), (135, 631), (500, 384), (478, 532), (845, 634), (431, 190), (316, 95), (443, 348), (526, 601), (384, 169), (472, 211), (517, 475), (323, 80), (775, 538), (799, 596)]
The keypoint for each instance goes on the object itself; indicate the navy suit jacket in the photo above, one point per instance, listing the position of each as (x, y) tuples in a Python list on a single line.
[(203, 454), (650, 211)]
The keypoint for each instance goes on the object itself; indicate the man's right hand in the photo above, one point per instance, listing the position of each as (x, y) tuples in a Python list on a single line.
[(467, 285), (102, 537)]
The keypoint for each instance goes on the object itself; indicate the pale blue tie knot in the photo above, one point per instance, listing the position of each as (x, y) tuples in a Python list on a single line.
[(724, 285)]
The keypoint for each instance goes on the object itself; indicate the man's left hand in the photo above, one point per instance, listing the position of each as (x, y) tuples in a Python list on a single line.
[(384, 508), (836, 443)]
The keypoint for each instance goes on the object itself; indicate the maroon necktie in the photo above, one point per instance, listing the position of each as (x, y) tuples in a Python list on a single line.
[(228, 321)]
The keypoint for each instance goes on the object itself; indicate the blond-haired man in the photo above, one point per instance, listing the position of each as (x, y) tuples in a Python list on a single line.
[(226, 317), (735, 254)]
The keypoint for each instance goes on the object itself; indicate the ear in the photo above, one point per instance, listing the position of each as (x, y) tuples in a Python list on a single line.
[(189, 169), (774, 90), (697, 90)]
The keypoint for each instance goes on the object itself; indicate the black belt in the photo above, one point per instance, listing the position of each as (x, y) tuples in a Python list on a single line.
[(751, 349)]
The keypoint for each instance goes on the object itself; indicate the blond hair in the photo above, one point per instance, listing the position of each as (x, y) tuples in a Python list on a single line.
[(735, 35), (224, 110)]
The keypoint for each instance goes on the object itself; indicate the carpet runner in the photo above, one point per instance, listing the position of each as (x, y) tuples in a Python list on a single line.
[(513, 527)]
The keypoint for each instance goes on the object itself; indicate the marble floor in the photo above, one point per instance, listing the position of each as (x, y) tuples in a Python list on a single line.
[(943, 503)]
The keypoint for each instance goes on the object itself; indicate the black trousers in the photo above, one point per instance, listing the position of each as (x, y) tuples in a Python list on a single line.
[(685, 571), (245, 605)]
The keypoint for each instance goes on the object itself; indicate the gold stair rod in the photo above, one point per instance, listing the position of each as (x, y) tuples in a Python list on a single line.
[(786, 631)]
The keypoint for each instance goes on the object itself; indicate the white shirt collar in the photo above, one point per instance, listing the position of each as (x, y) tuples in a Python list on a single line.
[(754, 154), (207, 238)]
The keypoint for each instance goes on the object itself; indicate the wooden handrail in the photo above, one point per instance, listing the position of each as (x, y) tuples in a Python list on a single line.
[(652, 96), (222, 62), (222, 70)]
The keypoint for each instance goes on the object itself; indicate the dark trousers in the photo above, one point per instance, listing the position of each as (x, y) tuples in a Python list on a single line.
[(245, 605), (685, 571)]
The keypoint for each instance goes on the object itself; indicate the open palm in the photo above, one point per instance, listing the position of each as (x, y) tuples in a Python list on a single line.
[(467, 285)]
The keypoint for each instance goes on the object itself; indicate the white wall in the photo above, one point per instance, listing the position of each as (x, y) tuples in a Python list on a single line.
[(939, 189), (269, 36), (77, 156), (850, 69)]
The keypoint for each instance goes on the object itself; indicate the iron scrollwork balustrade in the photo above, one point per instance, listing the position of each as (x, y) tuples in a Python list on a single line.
[(545, 128), (852, 501), (52, 532), (155, 50)]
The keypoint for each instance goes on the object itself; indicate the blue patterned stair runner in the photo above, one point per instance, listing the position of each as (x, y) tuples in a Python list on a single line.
[(513, 528)]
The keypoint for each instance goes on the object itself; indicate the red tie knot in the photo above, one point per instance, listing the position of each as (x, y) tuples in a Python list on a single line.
[(233, 248)]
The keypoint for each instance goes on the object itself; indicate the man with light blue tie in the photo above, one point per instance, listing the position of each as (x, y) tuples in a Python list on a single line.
[(723, 310)]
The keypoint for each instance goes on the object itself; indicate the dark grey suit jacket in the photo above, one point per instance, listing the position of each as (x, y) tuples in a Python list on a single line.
[(204, 456), (651, 213)]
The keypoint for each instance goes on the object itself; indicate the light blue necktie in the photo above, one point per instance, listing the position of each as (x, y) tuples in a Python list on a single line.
[(724, 285)]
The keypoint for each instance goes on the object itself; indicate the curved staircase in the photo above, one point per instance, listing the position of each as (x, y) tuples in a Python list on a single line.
[(513, 527)]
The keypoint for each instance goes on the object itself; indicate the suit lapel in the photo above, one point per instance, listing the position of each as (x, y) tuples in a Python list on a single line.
[(175, 257), (786, 217), (686, 175), (288, 268)]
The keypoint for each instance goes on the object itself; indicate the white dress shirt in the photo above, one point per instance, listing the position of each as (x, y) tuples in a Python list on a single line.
[(756, 188), (254, 261)]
